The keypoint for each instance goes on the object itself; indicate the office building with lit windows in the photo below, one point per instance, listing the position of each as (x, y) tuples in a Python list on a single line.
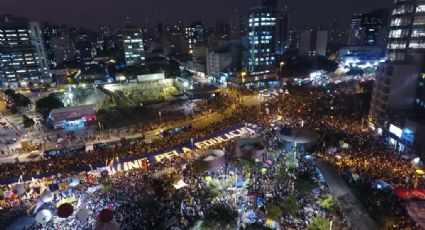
[(134, 52), (261, 40), (369, 29), (398, 99), (22, 54), (195, 35)]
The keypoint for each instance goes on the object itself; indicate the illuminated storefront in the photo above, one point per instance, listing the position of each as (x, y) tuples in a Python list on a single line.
[(72, 117)]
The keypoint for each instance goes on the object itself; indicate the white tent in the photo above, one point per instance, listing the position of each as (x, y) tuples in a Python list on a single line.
[(74, 181), (47, 196), (20, 188), (43, 216)]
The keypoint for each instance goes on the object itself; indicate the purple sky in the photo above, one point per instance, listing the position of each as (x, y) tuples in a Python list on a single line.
[(94, 13)]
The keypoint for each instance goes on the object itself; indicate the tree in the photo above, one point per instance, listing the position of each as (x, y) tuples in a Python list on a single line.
[(214, 188), (47, 104), (18, 99), (14, 109), (290, 206), (319, 223), (329, 203), (304, 183), (274, 211), (172, 69), (326, 64), (132, 71), (9, 92), (28, 122), (220, 217)]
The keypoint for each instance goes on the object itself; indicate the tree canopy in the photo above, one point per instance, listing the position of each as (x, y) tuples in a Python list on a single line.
[(19, 100), (28, 122), (319, 223), (47, 104)]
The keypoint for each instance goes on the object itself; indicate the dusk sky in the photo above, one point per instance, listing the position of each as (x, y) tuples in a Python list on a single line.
[(94, 13)]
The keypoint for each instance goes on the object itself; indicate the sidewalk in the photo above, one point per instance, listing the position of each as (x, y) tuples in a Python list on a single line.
[(351, 206)]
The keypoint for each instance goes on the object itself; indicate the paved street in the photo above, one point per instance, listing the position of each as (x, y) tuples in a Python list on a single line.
[(198, 122), (351, 206)]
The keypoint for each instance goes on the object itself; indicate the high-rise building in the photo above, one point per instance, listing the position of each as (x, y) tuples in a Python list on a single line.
[(194, 34), (50, 33), (262, 39), (218, 61), (283, 36), (406, 40), (294, 38), (356, 37), (134, 52), (337, 36), (63, 49), (369, 29), (399, 89), (22, 54), (222, 30), (375, 26), (313, 43), (236, 24)]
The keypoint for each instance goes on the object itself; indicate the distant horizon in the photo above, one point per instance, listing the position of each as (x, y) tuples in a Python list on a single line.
[(89, 14)]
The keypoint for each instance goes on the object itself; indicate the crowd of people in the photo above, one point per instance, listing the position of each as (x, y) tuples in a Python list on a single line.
[(336, 118), (148, 200)]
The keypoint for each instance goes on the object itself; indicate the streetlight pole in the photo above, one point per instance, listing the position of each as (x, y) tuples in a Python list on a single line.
[(281, 64)]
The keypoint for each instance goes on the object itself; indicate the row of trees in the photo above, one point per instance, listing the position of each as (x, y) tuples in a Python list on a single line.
[(304, 66), (42, 106)]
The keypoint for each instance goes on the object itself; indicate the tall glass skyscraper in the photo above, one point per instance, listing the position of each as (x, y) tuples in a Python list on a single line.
[(261, 39)]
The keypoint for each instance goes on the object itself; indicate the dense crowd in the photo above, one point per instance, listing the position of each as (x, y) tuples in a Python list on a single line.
[(336, 116)]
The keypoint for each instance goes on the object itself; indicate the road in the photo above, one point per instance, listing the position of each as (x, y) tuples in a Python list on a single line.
[(351, 206), (198, 122)]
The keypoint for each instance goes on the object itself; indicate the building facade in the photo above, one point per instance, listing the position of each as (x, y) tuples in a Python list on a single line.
[(313, 43), (63, 50), (194, 34), (22, 54), (134, 51), (218, 62), (402, 75), (261, 40), (369, 29)]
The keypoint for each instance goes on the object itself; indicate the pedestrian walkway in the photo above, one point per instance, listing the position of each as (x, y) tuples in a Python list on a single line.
[(351, 206)]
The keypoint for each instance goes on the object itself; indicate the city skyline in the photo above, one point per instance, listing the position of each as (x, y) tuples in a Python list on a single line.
[(92, 15)]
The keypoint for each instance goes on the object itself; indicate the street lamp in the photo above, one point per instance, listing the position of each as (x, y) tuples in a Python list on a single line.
[(281, 64)]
